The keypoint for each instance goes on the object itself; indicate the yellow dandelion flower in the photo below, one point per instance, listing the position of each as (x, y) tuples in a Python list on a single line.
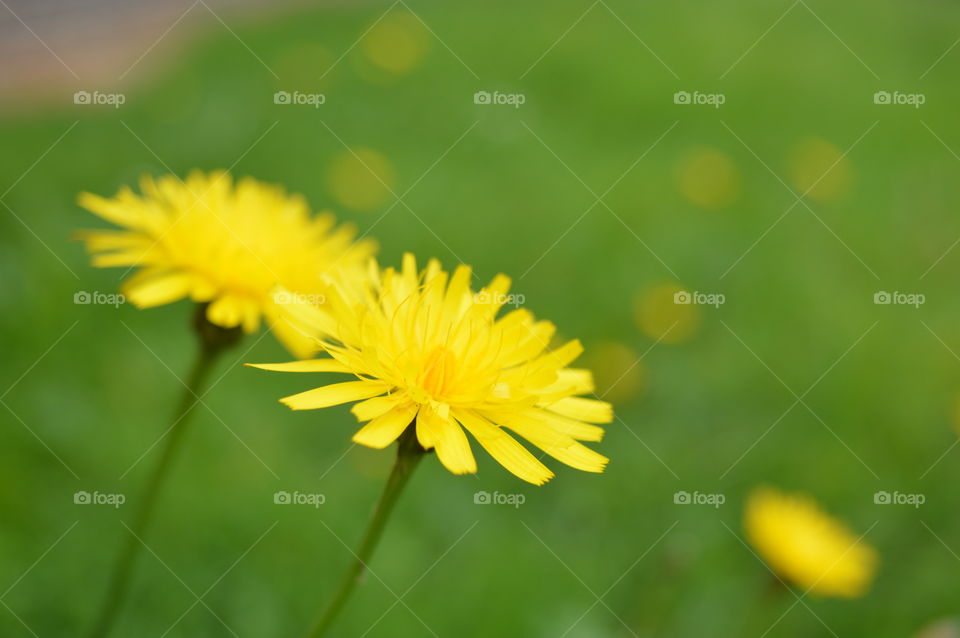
[(247, 249), (426, 349), (807, 546)]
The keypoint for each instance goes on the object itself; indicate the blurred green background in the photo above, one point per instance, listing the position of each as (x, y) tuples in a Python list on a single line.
[(798, 380)]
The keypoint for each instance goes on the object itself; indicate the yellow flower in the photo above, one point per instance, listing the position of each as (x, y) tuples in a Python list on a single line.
[(424, 347), (248, 249), (807, 546)]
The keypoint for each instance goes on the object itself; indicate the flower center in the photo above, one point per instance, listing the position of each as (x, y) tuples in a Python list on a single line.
[(437, 373)]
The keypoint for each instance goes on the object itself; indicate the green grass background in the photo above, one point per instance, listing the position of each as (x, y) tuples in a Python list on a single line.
[(498, 200)]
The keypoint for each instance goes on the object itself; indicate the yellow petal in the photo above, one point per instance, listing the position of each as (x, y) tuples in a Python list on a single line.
[(310, 365), (581, 409), (296, 309), (298, 326), (250, 317), (157, 290), (562, 356), (505, 450), (495, 293), (571, 427), (424, 430), (295, 340), (334, 395), (131, 257), (553, 423), (560, 446), (529, 340), (451, 444), (225, 311), (375, 407), (409, 268), (99, 241), (384, 430), (230, 311), (109, 209), (458, 290), (569, 381)]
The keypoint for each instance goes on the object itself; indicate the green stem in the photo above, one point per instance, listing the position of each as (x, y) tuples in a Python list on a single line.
[(409, 454), (214, 340)]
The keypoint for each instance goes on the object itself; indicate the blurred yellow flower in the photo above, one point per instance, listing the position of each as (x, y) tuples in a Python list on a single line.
[(807, 546), (248, 249), (426, 348)]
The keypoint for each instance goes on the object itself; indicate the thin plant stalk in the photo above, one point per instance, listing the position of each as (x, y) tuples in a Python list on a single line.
[(409, 455), (213, 341)]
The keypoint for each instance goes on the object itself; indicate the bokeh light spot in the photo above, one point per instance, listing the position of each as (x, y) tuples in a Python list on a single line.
[(817, 166), (360, 178), (661, 318), (708, 177), (396, 44), (618, 372)]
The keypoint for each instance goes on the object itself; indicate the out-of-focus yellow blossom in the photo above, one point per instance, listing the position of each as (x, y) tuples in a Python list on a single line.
[(248, 249), (807, 546)]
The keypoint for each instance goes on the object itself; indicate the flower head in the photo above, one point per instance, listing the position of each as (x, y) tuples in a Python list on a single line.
[(246, 248), (807, 546), (426, 349)]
